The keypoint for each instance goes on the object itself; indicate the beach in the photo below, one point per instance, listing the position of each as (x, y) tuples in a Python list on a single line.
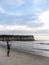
[(21, 58)]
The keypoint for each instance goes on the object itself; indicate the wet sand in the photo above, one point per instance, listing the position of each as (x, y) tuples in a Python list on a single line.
[(20, 58)]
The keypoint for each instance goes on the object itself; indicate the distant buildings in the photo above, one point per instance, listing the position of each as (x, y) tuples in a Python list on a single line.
[(16, 37)]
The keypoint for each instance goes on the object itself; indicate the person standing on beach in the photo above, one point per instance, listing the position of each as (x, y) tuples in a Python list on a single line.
[(8, 48)]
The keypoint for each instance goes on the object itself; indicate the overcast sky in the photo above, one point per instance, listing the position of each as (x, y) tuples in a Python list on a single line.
[(24, 17)]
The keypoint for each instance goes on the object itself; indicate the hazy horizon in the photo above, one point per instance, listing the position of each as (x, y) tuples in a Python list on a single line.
[(41, 37)]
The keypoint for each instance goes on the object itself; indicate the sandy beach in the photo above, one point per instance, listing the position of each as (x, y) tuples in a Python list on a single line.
[(20, 58)]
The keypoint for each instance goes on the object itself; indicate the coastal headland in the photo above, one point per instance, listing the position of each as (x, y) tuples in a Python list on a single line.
[(16, 37)]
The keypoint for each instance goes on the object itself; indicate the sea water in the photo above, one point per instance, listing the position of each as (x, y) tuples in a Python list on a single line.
[(40, 47)]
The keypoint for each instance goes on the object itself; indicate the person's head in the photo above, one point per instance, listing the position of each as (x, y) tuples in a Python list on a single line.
[(7, 43)]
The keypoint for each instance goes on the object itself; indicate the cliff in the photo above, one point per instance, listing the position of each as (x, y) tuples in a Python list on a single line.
[(17, 37)]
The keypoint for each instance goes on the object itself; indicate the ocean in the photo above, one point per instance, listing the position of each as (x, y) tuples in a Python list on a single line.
[(39, 47)]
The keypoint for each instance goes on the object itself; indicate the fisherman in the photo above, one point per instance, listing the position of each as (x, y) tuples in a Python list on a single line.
[(8, 48)]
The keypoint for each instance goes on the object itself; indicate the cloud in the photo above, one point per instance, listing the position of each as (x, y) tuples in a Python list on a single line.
[(36, 1), (15, 27), (2, 10), (42, 32), (14, 32), (28, 20), (18, 29), (44, 18), (28, 24), (14, 14), (12, 2)]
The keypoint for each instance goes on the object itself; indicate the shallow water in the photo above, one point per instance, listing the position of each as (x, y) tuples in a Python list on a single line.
[(34, 47)]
